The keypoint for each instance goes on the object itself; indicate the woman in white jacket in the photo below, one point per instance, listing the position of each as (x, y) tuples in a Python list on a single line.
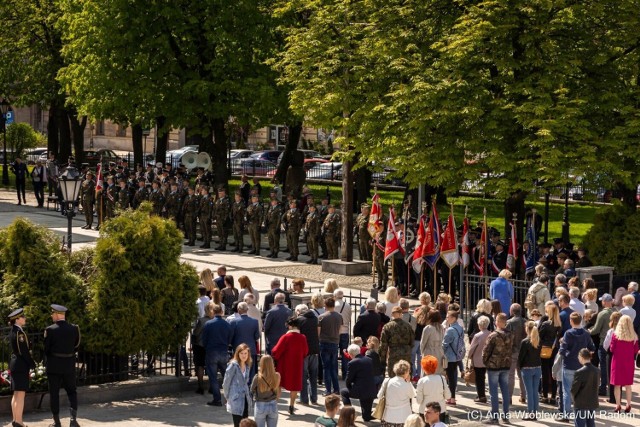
[(398, 391), (432, 387)]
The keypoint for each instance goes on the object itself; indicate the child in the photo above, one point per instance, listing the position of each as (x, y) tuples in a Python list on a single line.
[(536, 316), (357, 341), (583, 390), (331, 405), (372, 353)]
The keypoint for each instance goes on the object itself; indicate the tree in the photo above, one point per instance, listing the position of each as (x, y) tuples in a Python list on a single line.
[(21, 136)]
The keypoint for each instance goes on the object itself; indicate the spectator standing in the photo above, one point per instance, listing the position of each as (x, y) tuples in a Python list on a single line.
[(247, 288), (516, 325), (398, 391), (627, 307), (575, 303), (265, 388), (269, 298), (431, 387), (275, 323), (360, 382), (52, 173), (565, 312), (202, 300), (331, 407), (613, 322), (633, 290), (422, 319), (483, 308), (589, 297), (624, 347), (206, 280), (585, 381), (433, 415), (502, 289), (219, 281), (529, 365), (381, 308), (215, 337), (308, 326), (298, 286), (347, 417), (329, 324), (538, 295), (216, 298), (549, 331), (344, 309), (317, 304), (431, 340), (392, 299), (19, 169), (396, 341), (600, 329), (478, 342), (330, 285), (245, 330), (414, 420), (236, 384), (199, 359), (496, 356), (39, 179), (229, 294), (368, 322), (454, 351), (253, 311), (289, 354), (572, 342)]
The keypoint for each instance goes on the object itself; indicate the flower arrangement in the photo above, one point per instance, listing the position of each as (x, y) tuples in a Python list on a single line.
[(5, 382), (38, 379)]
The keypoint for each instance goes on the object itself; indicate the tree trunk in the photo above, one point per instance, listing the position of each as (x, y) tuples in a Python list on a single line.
[(77, 133), (219, 153), (64, 131), (163, 139), (627, 195), (363, 185), (515, 204), (136, 141), (53, 139), (295, 130), (347, 212)]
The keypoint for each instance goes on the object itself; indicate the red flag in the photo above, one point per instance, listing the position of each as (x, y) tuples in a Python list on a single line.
[(449, 247), (375, 226), (483, 250), (431, 245), (512, 252), (99, 181), (392, 244), (466, 243), (417, 253)]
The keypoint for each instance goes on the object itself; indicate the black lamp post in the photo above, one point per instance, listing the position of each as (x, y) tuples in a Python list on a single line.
[(70, 182), (4, 109)]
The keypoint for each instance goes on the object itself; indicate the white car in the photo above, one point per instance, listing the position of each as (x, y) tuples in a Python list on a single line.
[(240, 154), (174, 156)]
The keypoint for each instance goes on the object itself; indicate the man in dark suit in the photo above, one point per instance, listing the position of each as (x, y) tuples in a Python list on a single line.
[(61, 341), (245, 330), (219, 281), (308, 325), (584, 391), (360, 382), (270, 297), (275, 323), (368, 322)]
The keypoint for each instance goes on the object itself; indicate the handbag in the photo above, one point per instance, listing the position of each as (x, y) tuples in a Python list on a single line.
[(382, 402), (546, 352), (469, 374)]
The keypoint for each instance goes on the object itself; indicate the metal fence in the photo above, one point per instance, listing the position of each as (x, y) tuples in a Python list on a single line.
[(476, 288)]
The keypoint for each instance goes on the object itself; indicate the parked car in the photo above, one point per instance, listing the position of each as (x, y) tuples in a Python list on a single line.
[(240, 154), (33, 154), (252, 167), (308, 154), (93, 157), (308, 164), (174, 156), (271, 155), (329, 170)]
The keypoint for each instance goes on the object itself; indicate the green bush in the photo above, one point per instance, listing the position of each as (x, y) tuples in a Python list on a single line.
[(613, 239), (34, 273), (21, 136), (143, 297)]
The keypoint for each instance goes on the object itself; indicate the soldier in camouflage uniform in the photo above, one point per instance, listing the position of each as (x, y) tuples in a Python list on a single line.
[(237, 216), (190, 210), (323, 211), (88, 199), (173, 203), (362, 222), (312, 231), (255, 213), (272, 221), (156, 198), (222, 210), (123, 194), (331, 231), (142, 195), (205, 211), (381, 267), (291, 223), (396, 341), (110, 198)]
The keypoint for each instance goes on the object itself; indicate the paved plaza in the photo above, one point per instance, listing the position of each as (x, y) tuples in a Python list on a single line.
[(189, 409)]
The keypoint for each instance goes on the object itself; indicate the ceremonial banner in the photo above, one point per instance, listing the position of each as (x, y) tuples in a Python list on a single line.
[(466, 243), (482, 262), (531, 256), (431, 246), (512, 252), (375, 224), (419, 248), (99, 180), (392, 244), (449, 249)]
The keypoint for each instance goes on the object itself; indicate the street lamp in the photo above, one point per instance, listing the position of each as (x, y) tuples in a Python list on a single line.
[(4, 109), (70, 188)]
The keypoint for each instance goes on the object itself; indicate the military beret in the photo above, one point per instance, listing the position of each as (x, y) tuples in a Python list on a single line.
[(58, 309), (18, 312)]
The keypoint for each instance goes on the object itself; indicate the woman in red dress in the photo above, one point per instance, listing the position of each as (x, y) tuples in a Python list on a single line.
[(289, 354), (624, 346)]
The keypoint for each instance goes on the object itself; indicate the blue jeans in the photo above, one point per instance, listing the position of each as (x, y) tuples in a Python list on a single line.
[(416, 358), (329, 354), (604, 375), (499, 378), (216, 361), (266, 413), (309, 379), (531, 378), (344, 343), (567, 380), (585, 418)]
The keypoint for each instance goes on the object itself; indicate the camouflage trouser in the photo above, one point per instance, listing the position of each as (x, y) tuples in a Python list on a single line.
[(332, 246), (254, 233), (274, 239), (190, 228), (222, 232), (381, 269), (205, 229), (87, 208), (394, 358), (292, 241), (237, 234), (312, 246), (365, 249), (322, 242)]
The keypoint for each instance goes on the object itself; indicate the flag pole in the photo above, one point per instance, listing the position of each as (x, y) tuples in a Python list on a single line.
[(404, 238), (463, 273), (515, 249), (450, 268), (485, 248), (421, 219)]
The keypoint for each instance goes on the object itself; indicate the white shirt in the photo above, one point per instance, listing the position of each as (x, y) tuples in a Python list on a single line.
[(202, 303), (344, 309), (398, 399), (629, 311), (607, 340), (432, 388), (390, 306), (577, 306), (254, 313)]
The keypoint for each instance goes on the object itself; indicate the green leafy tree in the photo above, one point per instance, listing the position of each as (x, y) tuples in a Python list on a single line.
[(21, 136), (142, 296)]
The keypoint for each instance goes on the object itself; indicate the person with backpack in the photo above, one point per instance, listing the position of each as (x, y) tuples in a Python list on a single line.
[(537, 295), (454, 351)]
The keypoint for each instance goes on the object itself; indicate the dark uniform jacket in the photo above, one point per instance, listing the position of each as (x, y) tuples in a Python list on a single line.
[(360, 378), (61, 340), (21, 360)]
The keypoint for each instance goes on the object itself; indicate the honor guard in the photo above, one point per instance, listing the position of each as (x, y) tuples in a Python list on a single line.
[(323, 211), (173, 203), (88, 199), (20, 364), (156, 198), (150, 175), (124, 194), (272, 221), (142, 194), (362, 224), (254, 220), (381, 267), (111, 197), (61, 341), (222, 211), (237, 217), (205, 211), (312, 231), (291, 225), (331, 232), (190, 209)]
